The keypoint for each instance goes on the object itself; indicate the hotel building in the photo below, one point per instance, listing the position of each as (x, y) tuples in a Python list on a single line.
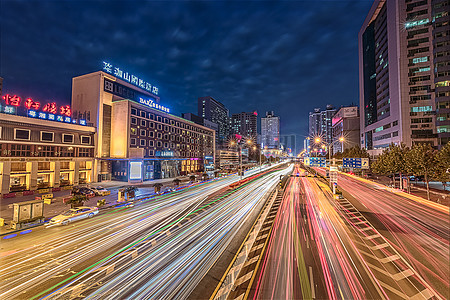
[(138, 139), (403, 68)]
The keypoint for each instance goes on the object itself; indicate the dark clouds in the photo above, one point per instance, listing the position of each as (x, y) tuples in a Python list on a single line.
[(284, 56)]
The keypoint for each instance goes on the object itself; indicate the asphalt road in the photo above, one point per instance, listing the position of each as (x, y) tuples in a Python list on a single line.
[(311, 254), (160, 248), (417, 231)]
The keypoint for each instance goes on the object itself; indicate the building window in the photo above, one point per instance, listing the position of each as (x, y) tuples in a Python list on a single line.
[(151, 116), (151, 134), (20, 150), (67, 138), (46, 151), (159, 127), (151, 153), (158, 118), (143, 143), (47, 136), (85, 139), (134, 111), (159, 144), (166, 145), (151, 143), (133, 130), (67, 152), (159, 135), (152, 125), (143, 132), (166, 136), (21, 134), (134, 121), (84, 152), (143, 114), (143, 123), (133, 142)]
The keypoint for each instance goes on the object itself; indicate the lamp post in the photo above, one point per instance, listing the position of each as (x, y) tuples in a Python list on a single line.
[(240, 145), (341, 139)]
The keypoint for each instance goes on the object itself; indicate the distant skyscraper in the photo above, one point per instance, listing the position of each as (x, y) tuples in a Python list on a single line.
[(345, 126), (403, 71), (320, 123), (245, 124), (289, 142), (214, 111), (270, 131)]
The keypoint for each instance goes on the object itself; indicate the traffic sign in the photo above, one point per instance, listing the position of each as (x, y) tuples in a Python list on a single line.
[(317, 161), (364, 163), (352, 163)]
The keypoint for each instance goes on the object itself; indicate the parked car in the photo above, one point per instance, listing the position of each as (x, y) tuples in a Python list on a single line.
[(74, 214), (83, 191), (100, 191)]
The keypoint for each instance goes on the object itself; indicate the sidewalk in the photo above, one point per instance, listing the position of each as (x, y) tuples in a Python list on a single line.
[(57, 207)]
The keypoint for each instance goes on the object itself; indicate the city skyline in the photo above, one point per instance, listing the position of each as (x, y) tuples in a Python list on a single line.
[(227, 59)]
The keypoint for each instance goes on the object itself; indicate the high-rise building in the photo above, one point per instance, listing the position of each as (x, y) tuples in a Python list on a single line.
[(441, 65), (270, 131), (397, 74), (214, 111), (320, 123), (289, 143), (245, 124), (345, 129)]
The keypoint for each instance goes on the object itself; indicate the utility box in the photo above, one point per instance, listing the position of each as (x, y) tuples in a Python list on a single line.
[(27, 213)]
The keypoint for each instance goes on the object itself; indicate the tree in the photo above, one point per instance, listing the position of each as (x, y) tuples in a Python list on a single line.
[(158, 187), (392, 161), (422, 161), (442, 172), (130, 191), (77, 200)]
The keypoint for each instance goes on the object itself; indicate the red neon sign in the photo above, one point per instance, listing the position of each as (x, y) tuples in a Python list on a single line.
[(30, 104), (12, 100)]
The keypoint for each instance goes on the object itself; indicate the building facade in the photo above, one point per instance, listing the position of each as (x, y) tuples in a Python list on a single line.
[(320, 123), (270, 131), (214, 111), (246, 125), (441, 62), (345, 129), (37, 154), (289, 143), (399, 45), (138, 139)]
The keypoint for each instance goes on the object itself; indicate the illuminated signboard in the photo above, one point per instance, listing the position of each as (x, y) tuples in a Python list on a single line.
[(125, 92), (34, 109), (135, 170), (164, 153), (119, 73), (150, 103)]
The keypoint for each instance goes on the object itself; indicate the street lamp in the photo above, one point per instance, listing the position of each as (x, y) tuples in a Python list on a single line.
[(341, 139)]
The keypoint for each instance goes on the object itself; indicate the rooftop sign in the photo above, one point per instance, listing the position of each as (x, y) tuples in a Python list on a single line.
[(119, 73)]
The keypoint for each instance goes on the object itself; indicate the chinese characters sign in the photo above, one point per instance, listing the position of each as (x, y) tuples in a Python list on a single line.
[(34, 109), (119, 73)]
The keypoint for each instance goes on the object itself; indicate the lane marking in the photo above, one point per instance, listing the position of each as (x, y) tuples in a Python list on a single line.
[(311, 280), (243, 279), (371, 237)]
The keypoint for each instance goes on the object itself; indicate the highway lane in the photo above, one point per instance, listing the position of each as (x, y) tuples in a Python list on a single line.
[(418, 231), (59, 259), (311, 253)]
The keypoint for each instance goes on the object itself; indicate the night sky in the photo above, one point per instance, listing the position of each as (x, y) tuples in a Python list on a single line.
[(289, 56)]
